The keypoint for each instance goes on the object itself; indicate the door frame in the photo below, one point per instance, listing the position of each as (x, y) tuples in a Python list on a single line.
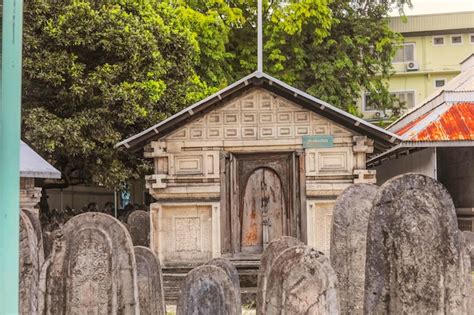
[(235, 173)]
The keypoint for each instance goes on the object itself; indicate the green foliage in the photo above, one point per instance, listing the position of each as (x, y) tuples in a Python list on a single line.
[(98, 71), (332, 49)]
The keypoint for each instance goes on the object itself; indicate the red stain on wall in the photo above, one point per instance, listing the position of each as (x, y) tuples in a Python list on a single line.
[(251, 237)]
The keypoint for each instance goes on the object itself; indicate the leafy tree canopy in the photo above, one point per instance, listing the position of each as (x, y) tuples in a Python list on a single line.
[(332, 49), (98, 71)]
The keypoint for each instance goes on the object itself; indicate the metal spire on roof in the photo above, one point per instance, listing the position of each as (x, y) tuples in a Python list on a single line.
[(259, 37)]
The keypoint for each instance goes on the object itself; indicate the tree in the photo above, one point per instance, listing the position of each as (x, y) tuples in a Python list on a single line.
[(99, 71), (96, 72), (333, 49)]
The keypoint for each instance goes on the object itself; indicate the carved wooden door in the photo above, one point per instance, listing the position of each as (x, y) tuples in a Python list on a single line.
[(262, 198), (263, 210)]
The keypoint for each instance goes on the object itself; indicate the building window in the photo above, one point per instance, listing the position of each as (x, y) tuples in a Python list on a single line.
[(472, 38), (438, 40), (406, 53), (369, 103), (407, 98), (456, 39), (440, 83)]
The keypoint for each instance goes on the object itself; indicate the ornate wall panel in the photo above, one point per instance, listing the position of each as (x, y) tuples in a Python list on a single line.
[(183, 233), (319, 224), (257, 115), (329, 162)]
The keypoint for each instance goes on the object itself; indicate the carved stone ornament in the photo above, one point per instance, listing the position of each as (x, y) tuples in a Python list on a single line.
[(91, 269)]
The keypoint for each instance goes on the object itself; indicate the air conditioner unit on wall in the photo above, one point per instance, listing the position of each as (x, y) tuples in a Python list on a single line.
[(412, 66)]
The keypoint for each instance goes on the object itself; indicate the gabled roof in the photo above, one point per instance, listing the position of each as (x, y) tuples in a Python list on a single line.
[(383, 139), (446, 123), (33, 165)]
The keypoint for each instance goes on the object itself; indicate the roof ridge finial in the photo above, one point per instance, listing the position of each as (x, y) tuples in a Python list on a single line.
[(259, 37)]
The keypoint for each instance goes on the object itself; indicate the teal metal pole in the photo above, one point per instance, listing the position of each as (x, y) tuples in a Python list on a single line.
[(10, 115)]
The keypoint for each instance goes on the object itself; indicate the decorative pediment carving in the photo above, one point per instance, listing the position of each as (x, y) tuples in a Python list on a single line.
[(257, 115)]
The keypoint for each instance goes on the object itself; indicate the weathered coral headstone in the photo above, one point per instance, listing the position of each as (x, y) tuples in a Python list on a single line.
[(48, 240), (469, 239), (150, 282), (272, 251), (139, 225), (29, 266), (91, 269), (348, 244), (301, 281), (208, 290), (33, 215), (468, 249), (231, 271), (414, 256)]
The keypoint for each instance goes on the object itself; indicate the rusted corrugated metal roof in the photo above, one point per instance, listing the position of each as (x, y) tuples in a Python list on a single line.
[(456, 123), (410, 125)]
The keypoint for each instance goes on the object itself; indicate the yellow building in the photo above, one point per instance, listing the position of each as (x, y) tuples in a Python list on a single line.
[(434, 46)]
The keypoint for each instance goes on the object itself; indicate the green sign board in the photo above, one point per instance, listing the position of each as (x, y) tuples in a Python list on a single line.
[(318, 141)]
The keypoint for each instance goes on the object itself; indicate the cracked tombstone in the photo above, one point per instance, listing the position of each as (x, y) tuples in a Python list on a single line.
[(231, 271), (138, 223), (414, 253), (301, 281), (269, 255), (30, 265), (348, 244), (208, 290), (91, 269), (150, 282)]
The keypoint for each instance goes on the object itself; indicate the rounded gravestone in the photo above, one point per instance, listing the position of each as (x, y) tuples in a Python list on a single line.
[(301, 281), (33, 215), (207, 290), (91, 269), (348, 244), (150, 282), (231, 271), (271, 252), (138, 223), (29, 266), (414, 259)]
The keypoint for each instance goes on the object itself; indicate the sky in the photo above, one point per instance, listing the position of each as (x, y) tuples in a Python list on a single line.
[(439, 6)]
